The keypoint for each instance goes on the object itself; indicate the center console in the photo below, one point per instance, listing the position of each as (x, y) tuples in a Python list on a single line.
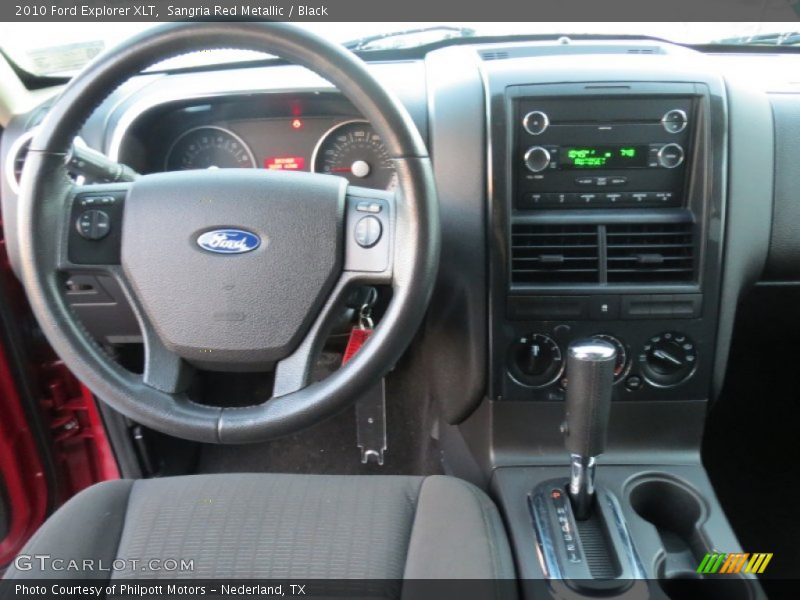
[(607, 219), (608, 230)]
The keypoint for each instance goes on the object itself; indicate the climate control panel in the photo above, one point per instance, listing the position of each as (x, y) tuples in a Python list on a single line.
[(665, 360)]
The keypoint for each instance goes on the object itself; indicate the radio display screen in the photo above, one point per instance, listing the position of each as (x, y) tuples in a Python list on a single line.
[(603, 157)]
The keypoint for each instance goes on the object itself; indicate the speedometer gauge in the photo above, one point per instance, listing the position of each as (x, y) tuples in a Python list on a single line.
[(355, 151), (209, 147)]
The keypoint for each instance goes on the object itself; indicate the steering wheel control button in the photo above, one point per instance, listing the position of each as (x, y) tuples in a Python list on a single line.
[(668, 359), (536, 122), (674, 121), (93, 224), (368, 231), (97, 201), (369, 207)]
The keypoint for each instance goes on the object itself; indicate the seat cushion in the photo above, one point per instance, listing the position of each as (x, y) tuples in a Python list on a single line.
[(273, 526)]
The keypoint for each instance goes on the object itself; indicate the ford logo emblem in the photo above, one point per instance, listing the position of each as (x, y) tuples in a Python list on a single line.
[(228, 241)]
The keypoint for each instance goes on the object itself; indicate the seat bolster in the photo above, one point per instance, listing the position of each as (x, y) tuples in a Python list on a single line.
[(457, 534), (87, 527)]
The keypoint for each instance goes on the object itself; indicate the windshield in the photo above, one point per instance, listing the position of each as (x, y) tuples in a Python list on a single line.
[(54, 49)]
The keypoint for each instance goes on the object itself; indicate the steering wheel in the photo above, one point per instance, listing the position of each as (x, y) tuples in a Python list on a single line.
[(229, 270)]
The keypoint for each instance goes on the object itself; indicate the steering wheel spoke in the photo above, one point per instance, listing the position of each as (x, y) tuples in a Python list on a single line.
[(369, 259), (293, 372)]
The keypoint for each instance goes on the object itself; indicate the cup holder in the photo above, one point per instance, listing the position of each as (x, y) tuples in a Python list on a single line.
[(678, 513), (674, 510)]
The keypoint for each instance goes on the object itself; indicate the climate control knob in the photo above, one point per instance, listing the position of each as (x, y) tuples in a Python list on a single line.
[(535, 360), (670, 156), (537, 159), (668, 359), (621, 365)]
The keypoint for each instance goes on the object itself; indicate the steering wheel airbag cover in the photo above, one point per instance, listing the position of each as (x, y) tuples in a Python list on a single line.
[(244, 309)]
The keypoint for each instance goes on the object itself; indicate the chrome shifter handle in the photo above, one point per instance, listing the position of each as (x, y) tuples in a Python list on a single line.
[(590, 377)]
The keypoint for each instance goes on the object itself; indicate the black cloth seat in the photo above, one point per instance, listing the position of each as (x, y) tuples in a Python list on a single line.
[(274, 526)]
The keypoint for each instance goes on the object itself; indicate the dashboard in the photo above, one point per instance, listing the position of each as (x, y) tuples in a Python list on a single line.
[(586, 189)]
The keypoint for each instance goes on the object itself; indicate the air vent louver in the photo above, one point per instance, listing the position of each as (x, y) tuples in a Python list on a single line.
[(19, 160), (554, 254), (650, 253)]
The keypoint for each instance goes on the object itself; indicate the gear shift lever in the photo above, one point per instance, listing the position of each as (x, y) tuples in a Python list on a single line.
[(590, 377)]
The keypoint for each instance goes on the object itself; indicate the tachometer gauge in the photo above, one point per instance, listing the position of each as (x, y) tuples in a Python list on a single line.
[(209, 147), (354, 150)]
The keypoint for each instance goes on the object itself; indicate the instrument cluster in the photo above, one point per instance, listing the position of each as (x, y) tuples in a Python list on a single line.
[(348, 147)]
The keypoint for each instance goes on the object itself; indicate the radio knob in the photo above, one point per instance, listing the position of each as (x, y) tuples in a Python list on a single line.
[(670, 156), (536, 122), (675, 120), (537, 158)]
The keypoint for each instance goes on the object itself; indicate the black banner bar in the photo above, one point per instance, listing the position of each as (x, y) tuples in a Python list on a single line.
[(405, 10)]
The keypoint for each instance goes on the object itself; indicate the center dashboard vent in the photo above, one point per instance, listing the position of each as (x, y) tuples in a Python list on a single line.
[(554, 254), (650, 253), (628, 253)]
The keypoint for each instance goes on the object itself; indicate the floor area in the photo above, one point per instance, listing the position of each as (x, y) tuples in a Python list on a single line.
[(330, 447)]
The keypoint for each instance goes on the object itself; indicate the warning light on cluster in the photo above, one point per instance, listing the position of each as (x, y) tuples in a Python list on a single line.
[(297, 124), (285, 163)]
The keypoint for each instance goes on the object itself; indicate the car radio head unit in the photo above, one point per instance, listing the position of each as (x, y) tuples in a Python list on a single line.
[(602, 152)]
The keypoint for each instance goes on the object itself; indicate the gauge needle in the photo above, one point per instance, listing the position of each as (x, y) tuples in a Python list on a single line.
[(359, 168), (668, 357)]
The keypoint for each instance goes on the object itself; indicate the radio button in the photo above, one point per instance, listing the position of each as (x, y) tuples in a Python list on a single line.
[(535, 200), (664, 197), (617, 180), (537, 159), (674, 121), (637, 198), (573, 200), (652, 158), (670, 156), (601, 181), (536, 122), (557, 199), (584, 199), (584, 180), (614, 198)]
